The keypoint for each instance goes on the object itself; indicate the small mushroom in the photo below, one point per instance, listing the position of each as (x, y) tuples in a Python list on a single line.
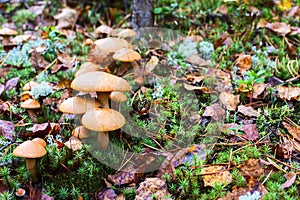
[(100, 82), (103, 120), (31, 106), (78, 105), (116, 98), (6, 33), (87, 67), (81, 132), (127, 33), (110, 45), (126, 55), (29, 85), (31, 151), (20, 192)]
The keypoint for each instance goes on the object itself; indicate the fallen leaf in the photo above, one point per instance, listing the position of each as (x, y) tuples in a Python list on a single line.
[(223, 79), (41, 130), (215, 111), (197, 60), (150, 187), (279, 27), (258, 89), (107, 194), (216, 174), (229, 100), (7, 129), (2, 87), (63, 84), (290, 180), (74, 143), (250, 132), (37, 60), (99, 57), (285, 4), (293, 130), (252, 168), (244, 63), (230, 128), (247, 111), (11, 83), (288, 93), (151, 64), (20, 39)]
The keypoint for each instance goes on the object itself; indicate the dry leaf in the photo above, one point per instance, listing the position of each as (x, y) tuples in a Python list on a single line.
[(250, 132), (151, 64), (67, 18), (293, 130), (223, 79), (279, 27), (285, 4), (252, 168), (258, 88), (229, 100), (2, 87), (217, 174), (244, 63), (11, 83), (150, 187), (247, 111), (230, 128), (7, 129), (215, 111), (288, 92), (197, 60), (74, 143), (290, 179)]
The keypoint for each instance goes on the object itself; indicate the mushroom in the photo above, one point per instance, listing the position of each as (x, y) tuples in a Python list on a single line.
[(40, 141), (87, 67), (100, 82), (5, 33), (78, 105), (127, 33), (103, 120), (29, 85), (31, 106), (126, 55), (31, 151), (20, 192), (81, 132), (110, 45), (116, 98)]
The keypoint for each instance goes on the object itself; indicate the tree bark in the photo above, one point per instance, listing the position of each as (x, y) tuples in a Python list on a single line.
[(142, 14)]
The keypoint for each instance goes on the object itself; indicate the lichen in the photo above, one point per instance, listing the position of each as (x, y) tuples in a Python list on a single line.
[(41, 90), (206, 50), (187, 48)]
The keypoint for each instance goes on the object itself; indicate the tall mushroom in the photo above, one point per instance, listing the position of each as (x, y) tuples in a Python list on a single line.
[(5, 33), (31, 151)]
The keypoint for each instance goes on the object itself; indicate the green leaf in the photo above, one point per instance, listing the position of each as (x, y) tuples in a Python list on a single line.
[(157, 10)]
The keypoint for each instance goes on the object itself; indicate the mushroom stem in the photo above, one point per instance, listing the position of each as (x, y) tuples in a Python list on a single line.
[(103, 140), (103, 98), (31, 167)]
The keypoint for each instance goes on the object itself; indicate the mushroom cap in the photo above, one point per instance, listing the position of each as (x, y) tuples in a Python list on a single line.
[(30, 104), (126, 33), (29, 149), (78, 105), (117, 96), (81, 132), (40, 141), (103, 119), (99, 82), (111, 45), (29, 85), (8, 32), (126, 55), (87, 67)]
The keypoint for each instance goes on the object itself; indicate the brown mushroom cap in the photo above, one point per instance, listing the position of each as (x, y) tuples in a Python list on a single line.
[(30, 104), (103, 119), (29, 149), (29, 85), (87, 67), (40, 141), (110, 45), (81, 132), (78, 105), (117, 96), (126, 55), (99, 82), (8, 32), (126, 33)]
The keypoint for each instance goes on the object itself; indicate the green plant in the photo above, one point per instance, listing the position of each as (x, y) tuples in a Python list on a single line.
[(22, 16)]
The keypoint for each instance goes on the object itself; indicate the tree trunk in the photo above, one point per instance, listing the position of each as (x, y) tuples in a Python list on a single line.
[(142, 14)]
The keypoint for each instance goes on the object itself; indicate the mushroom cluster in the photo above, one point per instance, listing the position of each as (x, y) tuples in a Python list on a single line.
[(102, 118)]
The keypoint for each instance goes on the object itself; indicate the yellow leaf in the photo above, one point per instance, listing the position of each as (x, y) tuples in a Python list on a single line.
[(285, 4)]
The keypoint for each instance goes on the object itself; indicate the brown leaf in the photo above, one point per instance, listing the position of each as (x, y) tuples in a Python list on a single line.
[(244, 63), (216, 174), (290, 179), (66, 60), (99, 57), (250, 132), (258, 89), (40, 130), (67, 18), (252, 168), (151, 64), (74, 143), (288, 92), (7, 129), (229, 100), (37, 60), (215, 111), (197, 60), (107, 194), (150, 187), (247, 111), (293, 130), (2, 87), (223, 79), (11, 83), (63, 84), (279, 27)]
